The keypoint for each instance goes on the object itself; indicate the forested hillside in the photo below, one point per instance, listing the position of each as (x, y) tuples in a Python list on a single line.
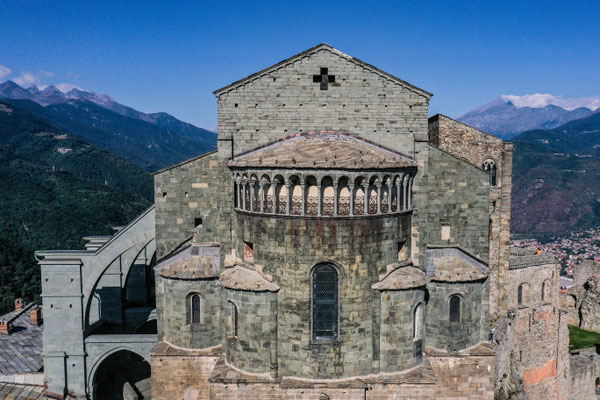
[(56, 189), (556, 185)]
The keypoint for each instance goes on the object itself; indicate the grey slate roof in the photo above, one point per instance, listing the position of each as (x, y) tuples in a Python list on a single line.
[(21, 351), (21, 392)]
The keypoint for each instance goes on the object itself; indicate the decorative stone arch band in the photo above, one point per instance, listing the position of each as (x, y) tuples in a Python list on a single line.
[(323, 194)]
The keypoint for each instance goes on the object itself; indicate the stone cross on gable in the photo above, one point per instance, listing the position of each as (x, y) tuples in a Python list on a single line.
[(324, 79)]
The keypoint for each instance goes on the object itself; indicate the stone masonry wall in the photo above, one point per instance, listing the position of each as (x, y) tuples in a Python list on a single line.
[(176, 325), (532, 353), (443, 334), (477, 146), (201, 188), (457, 198), (399, 350), (360, 248), (458, 377), (254, 348), (287, 101)]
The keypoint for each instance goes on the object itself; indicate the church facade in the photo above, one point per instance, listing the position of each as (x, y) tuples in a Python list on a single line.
[(338, 244)]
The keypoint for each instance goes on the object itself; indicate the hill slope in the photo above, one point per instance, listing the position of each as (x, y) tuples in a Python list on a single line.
[(556, 185), (56, 189)]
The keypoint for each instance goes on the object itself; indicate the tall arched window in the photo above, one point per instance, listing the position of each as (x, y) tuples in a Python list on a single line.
[(195, 309), (418, 322), (325, 302), (454, 309), (490, 166)]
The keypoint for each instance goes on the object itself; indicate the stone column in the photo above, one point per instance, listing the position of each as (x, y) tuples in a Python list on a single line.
[(261, 193), (303, 186), (288, 197), (389, 192), (405, 192), (335, 199), (351, 188), (366, 192), (244, 183), (398, 194), (378, 184), (251, 195), (320, 201), (409, 195), (275, 198)]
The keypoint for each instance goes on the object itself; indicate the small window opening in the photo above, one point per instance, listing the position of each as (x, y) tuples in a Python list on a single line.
[(232, 320), (248, 251), (164, 194), (520, 356), (196, 309), (455, 309), (197, 222), (401, 248), (235, 105), (490, 167), (543, 291), (418, 322), (520, 295)]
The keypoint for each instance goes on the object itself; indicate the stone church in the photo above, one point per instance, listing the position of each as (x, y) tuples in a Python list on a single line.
[(339, 244)]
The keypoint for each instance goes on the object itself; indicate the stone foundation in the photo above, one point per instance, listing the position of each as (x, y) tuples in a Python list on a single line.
[(204, 374)]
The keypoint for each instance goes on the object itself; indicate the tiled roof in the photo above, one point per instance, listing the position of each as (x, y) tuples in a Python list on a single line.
[(322, 149), (243, 277), (455, 269), (21, 350), (402, 278), (197, 261)]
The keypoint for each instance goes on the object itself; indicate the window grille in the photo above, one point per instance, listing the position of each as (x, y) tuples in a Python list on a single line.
[(455, 309), (325, 302), (195, 309)]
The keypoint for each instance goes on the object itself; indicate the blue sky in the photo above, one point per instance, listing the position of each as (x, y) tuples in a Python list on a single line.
[(170, 56)]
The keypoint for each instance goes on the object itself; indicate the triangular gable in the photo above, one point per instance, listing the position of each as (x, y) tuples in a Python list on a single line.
[(313, 50)]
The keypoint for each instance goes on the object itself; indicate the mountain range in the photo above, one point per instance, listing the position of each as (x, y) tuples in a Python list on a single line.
[(502, 118), (152, 141)]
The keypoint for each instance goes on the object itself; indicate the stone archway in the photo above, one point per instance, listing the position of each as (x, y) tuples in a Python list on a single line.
[(123, 375)]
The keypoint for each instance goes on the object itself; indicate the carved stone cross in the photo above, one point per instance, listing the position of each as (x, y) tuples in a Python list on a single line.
[(324, 79)]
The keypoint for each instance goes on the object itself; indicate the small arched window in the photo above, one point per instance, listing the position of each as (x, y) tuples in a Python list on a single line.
[(520, 295), (232, 320), (325, 302), (196, 309), (490, 167), (418, 322), (544, 289), (454, 309)]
